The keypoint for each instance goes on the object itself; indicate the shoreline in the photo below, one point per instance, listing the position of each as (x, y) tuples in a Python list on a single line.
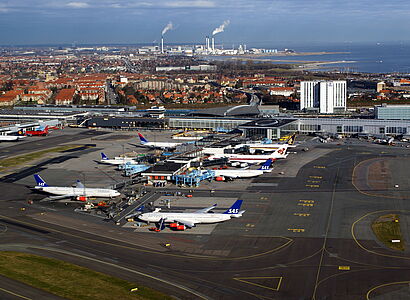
[(289, 54), (299, 64)]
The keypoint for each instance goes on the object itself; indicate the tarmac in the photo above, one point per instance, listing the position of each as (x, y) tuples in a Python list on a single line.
[(305, 233)]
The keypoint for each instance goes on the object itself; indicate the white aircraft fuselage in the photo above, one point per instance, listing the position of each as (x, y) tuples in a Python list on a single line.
[(256, 159), (161, 145), (267, 147), (119, 161), (74, 191), (10, 138), (238, 173), (197, 218)]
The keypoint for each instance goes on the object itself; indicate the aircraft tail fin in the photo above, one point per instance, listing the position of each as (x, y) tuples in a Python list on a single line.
[(142, 139), (234, 209), (103, 156), (79, 185), (266, 165), (39, 181), (291, 140)]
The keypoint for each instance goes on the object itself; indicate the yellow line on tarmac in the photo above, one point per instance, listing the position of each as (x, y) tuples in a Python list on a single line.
[(243, 279), (323, 249), (14, 294), (383, 285)]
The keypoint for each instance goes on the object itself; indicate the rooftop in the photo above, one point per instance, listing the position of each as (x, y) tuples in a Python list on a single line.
[(267, 123)]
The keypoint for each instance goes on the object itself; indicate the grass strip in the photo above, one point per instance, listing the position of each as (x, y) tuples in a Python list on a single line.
[(387, 228), (21, 159), (70, 281)]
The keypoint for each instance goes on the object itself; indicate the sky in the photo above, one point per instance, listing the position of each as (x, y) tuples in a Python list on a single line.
[(254, 22)]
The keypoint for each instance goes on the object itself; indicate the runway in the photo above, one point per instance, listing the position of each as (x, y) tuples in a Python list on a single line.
[(302, 237)]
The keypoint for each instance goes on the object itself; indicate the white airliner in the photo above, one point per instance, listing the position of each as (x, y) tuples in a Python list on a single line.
[(251, 158), (8, 137), (80, 192), (115, 161), (180, 220), (241, 173), (270, 147), (161, 145)]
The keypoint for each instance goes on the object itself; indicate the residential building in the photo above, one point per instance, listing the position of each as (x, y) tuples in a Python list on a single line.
[(65, 97)]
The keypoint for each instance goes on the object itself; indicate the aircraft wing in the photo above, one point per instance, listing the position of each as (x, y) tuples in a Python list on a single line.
[(189, 223), (205, 210)]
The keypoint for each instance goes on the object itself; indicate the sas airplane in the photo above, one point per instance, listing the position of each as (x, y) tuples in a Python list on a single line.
[(245, 173), (182, 220), (117, 161), (160, 145), (79, 192)]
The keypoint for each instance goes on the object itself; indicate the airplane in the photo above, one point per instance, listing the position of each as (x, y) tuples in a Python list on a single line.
[(182, 220), (385, 141), (115, 161), (11, 138), (270, 147), (161, 145), (251, 158), (79, 192), (191, 219), (41, 131), (245, 173)]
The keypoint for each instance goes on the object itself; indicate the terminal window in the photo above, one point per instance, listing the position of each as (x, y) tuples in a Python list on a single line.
[(399, 130), (353, 128)]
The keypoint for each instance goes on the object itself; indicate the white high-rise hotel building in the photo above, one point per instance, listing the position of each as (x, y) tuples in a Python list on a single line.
[(325, 95)]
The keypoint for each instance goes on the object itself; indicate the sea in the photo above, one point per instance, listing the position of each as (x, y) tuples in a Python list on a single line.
[(365, 58)]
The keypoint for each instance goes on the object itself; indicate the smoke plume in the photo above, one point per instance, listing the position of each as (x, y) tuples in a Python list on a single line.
[(221, 28), (169, 26)]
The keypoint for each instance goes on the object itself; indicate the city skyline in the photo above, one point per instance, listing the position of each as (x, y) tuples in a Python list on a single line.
[(258, 21)]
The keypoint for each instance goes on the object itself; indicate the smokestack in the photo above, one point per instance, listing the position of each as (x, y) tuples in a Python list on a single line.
[(213, 44), (206, 43), (162, 44)]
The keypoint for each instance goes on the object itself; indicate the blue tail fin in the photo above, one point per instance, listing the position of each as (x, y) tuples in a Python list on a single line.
[(142, 138), (39, 180), (234, 209), (103, 156), (266, 165)]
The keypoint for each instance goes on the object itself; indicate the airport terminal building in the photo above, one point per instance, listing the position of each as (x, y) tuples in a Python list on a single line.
[(247, 118), (276, 127)]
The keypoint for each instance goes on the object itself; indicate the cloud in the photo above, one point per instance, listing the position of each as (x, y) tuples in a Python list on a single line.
[(78, 4), (187, 4)]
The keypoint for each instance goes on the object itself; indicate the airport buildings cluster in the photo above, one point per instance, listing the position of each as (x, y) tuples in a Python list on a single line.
[(119, 145)]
